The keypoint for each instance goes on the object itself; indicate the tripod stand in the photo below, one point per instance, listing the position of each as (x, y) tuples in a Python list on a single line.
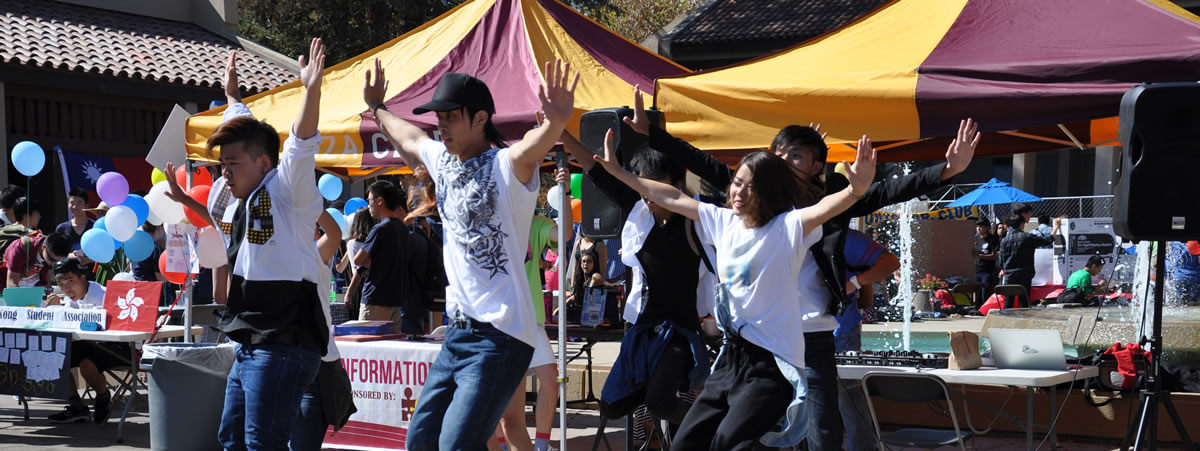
[(1151, 393)]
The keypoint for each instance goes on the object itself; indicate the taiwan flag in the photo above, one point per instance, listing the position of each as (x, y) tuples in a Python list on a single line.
[(83, 170)]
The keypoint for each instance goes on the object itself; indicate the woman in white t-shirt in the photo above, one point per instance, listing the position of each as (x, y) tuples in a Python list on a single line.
[(761, 242)]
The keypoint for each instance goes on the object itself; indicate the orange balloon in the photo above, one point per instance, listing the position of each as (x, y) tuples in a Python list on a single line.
[(577, 210), (200, 194), (176, 278), (200, 177), (1193, 247)]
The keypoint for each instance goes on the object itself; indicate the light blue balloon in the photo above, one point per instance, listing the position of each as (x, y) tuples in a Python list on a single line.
[(330, 186), (139, 207), (139, 247), (100, 225), (28, 158), (97, 244), (341, 220), (353, 205)]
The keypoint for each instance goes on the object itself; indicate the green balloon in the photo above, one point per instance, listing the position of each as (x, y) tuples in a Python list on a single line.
[(157, 176), (576, 180)]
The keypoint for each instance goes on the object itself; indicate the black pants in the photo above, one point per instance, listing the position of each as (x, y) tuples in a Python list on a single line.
[(743, 399), (669, 375), (824, 419), (1016, 301)]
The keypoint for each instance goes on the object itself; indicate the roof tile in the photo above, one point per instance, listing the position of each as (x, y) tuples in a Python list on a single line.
[(725, 22), (84, 39)]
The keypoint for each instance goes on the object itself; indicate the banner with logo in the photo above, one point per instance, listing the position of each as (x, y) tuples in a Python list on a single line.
[(952, 214), (386, 378), (132, 305)]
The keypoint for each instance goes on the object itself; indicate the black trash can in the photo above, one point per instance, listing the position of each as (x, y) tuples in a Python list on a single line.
[(187, 393)]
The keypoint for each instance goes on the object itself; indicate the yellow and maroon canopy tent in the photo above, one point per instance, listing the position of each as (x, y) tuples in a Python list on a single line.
[(502, 42), (1038, 74)]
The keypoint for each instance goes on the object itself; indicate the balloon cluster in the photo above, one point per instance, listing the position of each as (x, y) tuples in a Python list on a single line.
[(554, 196)]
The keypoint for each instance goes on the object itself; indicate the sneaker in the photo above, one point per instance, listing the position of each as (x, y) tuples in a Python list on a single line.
[(71, 415), (102, 410)]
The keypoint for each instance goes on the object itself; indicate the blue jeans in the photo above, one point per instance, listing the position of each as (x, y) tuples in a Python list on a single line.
[(987, 282), (262, 395), (852, 403), (310, 429), (468, 387), (824, 420)]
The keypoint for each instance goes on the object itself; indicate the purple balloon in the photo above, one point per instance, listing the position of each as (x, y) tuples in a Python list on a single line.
[(112, 188)]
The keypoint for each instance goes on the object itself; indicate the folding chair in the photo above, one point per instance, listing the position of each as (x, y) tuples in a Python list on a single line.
[(1017, 292), (966, 294), (912, 388)]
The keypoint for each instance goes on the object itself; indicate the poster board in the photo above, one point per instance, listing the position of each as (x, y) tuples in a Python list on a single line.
[(35, 363)]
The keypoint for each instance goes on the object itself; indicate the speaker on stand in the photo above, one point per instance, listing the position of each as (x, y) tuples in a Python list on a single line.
[(1160, 130), (601, 217)]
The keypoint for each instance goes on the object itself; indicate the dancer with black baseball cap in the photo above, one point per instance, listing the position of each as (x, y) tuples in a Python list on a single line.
[(486, 193)]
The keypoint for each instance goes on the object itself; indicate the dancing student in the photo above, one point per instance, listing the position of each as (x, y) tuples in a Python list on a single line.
[(761, 243), (487, 191), (804, 148), (662, 353), (273, 309)]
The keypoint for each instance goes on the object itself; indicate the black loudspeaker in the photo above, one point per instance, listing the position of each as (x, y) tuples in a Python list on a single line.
[(601, 216), (1158, 184)]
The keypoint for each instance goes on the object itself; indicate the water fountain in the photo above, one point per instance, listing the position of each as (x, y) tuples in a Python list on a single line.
[(1095, 328)]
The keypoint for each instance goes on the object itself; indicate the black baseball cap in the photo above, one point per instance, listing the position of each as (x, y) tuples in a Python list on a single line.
[(456, 91)]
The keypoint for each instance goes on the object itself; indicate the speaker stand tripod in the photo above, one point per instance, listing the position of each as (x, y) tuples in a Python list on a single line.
[(1144, 433)]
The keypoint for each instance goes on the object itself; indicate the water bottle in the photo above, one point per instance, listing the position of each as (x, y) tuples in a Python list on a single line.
[(332, 289)]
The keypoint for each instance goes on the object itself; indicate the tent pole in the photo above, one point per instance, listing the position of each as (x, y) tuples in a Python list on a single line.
[(188, 285), (564, 221)]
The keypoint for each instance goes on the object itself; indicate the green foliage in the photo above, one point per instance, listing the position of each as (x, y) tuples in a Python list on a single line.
[(634, 19), (348, 27)]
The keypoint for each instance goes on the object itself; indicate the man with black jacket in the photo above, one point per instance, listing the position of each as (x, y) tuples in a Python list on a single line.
[(805, 149)]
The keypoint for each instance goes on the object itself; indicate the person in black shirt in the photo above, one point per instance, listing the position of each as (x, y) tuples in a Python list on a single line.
[(804, 148), (385, 295), (667, 266), (77, 201), (1015, 257), (986, 245)]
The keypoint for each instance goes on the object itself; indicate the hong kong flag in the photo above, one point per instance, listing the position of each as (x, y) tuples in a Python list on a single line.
[(132, 306)]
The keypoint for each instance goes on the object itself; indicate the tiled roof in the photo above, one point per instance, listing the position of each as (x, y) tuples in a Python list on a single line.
[(78, 38), (729, 22)]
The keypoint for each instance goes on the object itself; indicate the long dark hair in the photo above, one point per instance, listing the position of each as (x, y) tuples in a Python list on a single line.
[(422, 199), (579, 279), (490, 132), (775, 187), (361, 227)]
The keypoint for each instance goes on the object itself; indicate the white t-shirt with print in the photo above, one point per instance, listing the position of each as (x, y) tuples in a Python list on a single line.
[(758, 266), (486, 213)]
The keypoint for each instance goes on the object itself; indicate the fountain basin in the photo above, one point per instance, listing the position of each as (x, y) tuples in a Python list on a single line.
[(1089, 331)]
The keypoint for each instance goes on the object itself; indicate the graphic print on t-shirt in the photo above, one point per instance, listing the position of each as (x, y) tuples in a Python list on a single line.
[(737, 272), (261, 225), (471, 218)]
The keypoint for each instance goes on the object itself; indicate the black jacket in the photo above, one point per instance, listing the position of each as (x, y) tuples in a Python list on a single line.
[(833, 239)]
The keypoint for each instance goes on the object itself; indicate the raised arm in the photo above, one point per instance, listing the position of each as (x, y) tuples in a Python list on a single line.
[(660, 193), (613, 188), (298, 160), (558, 104), (232, 93), (328, 244), (405, 136), (690, 157), (860, 175)]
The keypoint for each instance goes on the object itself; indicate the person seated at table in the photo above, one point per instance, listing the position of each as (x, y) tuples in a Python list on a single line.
[(21, 271), (587, 275), (1079, 285), (92, 358)]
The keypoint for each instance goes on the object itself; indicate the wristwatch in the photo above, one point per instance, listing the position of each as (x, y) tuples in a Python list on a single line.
[(854, 281)]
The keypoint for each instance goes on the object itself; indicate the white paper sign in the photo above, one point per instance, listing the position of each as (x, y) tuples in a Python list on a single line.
[(54, 317), (181, 239), (171, 145)]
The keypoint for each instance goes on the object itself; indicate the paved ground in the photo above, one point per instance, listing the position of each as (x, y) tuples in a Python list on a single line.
[(39, 434)]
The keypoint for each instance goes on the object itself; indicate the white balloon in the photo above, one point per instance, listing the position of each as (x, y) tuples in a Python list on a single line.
[(211, 248), (554, 197), (153, 218), (349, 223), (124, 277), (121, 222), (169, 211)]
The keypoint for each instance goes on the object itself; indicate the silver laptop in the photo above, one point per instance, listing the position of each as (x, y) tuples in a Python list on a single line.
[(1027, 349)]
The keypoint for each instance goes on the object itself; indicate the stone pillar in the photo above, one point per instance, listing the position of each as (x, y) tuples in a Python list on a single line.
[(1107, 164), (1025, 171)]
